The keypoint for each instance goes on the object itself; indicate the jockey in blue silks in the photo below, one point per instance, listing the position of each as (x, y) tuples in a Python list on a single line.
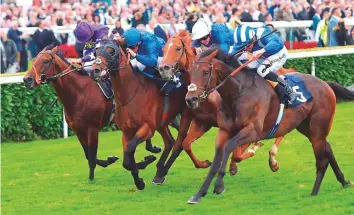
[(145, 47), (146, 50), (90, 34), (204, 34), (273, 55)]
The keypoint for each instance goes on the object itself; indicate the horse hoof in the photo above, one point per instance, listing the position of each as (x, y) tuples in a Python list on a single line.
[(158, 180), (150, 158), (274, 167), (140, 184), (203, 164), (194, 200), (219, 189), (91, 177), (347, 184), (233, 171), (112, 159), (154, 149)]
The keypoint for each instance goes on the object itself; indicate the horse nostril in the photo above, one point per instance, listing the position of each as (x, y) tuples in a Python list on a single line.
[(29, 81), (166, 68)]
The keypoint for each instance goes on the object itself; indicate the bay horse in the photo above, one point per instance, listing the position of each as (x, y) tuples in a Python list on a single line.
[(179, 56), (140, 107), (86, 109), (254, 106)]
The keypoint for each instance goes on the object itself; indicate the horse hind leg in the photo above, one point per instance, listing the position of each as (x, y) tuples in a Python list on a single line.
[(239, 155), (273, 163), (335, 167)]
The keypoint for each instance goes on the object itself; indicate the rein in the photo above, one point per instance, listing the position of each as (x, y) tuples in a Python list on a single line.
[(206, 91), (43, 76)]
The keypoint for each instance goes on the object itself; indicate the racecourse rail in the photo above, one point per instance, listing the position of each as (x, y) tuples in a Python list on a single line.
[(18, 78)]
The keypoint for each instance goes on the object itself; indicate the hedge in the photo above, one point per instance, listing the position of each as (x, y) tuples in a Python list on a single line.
[(337, 68), (27, 115)]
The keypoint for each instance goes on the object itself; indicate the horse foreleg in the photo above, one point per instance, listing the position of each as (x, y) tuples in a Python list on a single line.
[(273, 163), (168, 141), (177, 147), (196, 131), (221, 139), (150, 148)]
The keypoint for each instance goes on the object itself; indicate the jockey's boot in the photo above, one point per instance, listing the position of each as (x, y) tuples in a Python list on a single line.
[(285, 93)]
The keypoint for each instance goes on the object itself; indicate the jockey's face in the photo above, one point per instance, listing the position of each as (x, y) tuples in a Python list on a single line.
[(135, 48), (205, 40)]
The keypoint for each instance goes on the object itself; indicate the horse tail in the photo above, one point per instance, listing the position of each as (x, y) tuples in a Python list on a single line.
[(342, 93)]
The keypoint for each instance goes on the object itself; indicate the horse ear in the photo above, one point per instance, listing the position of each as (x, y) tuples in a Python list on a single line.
[(212, 55), (55, 49)]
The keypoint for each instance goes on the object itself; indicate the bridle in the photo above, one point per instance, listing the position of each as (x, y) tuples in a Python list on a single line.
[(206, 91), (43, 76), (176, 66)]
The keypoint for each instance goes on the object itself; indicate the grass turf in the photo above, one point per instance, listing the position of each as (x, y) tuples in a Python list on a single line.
[(51, 177)]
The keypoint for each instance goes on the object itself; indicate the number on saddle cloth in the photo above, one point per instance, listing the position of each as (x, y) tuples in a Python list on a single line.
[(299, 87)]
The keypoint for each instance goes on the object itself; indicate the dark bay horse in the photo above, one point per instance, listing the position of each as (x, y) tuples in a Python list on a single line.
[(86, 109), (139, 112), (179, 56), (253, 116)]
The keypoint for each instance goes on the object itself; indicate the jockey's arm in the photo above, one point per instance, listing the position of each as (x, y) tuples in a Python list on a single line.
[(272, 44), (150, 58)]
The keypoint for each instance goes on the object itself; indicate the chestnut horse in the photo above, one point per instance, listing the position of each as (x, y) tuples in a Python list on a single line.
[(86, 109), (179, 56), (253, 116), (140, 107)]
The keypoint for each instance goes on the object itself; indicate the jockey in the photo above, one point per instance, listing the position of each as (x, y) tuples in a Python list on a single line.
[(204, 34), (273, 55), (90, 34), (145, 47)]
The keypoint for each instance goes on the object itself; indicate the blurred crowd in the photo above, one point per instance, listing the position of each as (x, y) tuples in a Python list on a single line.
[(328, 17)]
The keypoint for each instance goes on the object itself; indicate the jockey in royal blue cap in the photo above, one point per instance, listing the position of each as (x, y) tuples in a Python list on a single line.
[(90, 34), (204, 34), (273, 52), (145, 47)]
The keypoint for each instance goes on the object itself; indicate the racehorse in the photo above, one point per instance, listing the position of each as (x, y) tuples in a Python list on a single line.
[(254, 106), (140, 107), (179, 56), (86, 108)]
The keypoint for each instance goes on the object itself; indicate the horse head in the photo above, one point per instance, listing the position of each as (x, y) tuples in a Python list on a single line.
[(178, 55), (107, 61), (202, 82), (44, 67)]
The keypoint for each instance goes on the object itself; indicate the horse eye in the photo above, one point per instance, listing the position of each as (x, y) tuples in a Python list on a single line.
[(46, 61), (206, 72), (178, 49)]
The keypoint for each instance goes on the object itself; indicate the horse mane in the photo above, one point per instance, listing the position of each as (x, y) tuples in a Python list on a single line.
[(232, 61), (60, 52)]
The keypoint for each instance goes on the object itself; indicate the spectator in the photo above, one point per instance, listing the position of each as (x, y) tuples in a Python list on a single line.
[(18, 37), (3, 58), (322, 28), (44, 36), (10, 53), (191, 20), (333, 22), (137, 19), (351, 37), (341, 33), (118, 27), (172, 29), (316, 19), (235, 18)]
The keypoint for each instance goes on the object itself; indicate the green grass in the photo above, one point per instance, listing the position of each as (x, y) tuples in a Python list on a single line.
[(50, 177)]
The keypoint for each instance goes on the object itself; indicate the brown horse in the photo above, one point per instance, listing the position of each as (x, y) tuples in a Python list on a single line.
[(253, 116), (179, 56), (139, 112), (86, 109)]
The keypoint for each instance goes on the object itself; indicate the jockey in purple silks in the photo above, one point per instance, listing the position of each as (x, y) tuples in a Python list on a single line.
[(90, 34)]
